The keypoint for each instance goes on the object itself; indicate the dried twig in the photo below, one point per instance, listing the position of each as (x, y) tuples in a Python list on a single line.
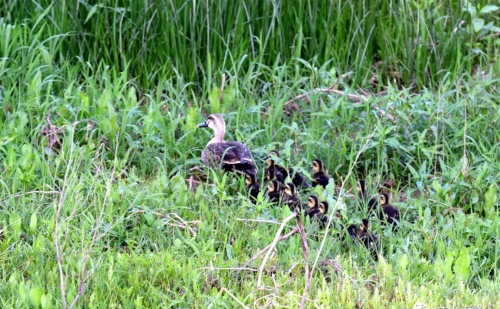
[(261, 252), (352, 97), (222, 86), (235, 298), (228, 268), (182, 225), (305, 249), (273, 245)]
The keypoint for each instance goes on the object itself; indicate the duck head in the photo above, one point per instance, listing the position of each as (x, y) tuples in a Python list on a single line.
[(361, 186), (317, 165), (273, 187), (384, 199), (312, 201), (290, 189), (270, 159), (218, 125), (250, 179), (323, 207), (365, 225), (271, 174)]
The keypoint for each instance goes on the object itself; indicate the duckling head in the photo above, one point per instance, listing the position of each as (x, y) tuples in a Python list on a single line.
[(271, 174), (290, 189), (323, 207), (339, 215), (312, 201), (361, 186), (384, 199), (217, 124), (317, 165), (273, 186), (250, 179), (270, 159), (365, 225)]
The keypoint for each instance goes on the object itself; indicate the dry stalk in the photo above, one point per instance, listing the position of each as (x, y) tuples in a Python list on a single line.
[(272, 246), (261, 252), (352, 97)]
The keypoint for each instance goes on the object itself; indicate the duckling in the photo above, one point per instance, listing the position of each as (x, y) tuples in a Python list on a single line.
[(387, 211), (274, 191), (272, 174), (298, 179), (323, 207), (363, 195), (253, 188), (280, 172), (230, 156), (320, 175), (290, 198), (313, 210), (316, 211), (369, 240)]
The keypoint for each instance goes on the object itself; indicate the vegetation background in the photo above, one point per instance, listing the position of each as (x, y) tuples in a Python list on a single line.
[(99, 102)]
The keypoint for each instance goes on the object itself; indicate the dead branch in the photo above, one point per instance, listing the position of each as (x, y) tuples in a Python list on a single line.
[(222, 86), (332, 89), (182, 225), (261, 252), (273, 245)]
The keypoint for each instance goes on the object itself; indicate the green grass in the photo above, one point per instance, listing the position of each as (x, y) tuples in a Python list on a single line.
[(125, 85)]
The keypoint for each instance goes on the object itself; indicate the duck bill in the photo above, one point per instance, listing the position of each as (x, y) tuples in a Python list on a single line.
[(202, 125)]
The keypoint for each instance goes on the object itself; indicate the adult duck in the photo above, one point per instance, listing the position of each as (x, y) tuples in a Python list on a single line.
[(230, 156)]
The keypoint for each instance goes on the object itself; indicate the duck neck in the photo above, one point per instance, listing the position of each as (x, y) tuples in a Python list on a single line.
[(218, 138)]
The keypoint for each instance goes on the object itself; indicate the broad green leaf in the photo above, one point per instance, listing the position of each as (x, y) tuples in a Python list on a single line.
[(437, 187), (447, 272), (462, 264), (488, 9), (15, 222), (91, 12), (478, 24), (36, 296), (33, 222)]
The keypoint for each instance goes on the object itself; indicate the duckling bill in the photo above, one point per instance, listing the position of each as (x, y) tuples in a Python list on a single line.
[(230, 156)]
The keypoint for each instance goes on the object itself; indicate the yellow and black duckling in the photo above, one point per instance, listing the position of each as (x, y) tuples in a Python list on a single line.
[(320, 175), (387, 212), (253, 188), (273, 191), (230, 156), (363, 195), (272, 174), (369, 239), (290, 198), (278, 171), (317, 212)]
